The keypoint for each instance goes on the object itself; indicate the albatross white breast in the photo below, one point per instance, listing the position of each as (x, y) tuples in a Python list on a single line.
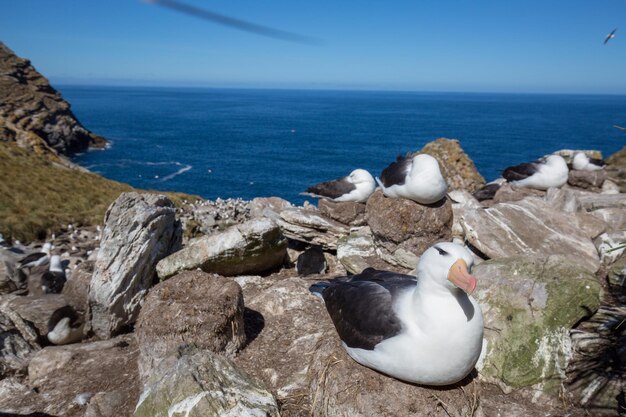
[(415, 177), (541, 174), (424, 329), (356, 187)]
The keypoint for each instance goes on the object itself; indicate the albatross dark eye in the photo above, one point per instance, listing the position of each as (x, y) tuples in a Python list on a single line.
[(441, 251)]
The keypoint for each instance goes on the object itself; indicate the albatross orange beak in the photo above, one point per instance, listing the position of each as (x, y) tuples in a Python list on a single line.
[(459, 276)]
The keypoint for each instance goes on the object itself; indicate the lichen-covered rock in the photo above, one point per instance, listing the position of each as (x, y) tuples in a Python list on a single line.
[(402, 228), (457, 168), (309, 226), (610, 246), (34, 114), (203, 384), (140, 230), (530, 227), (189, 308), (617, 273), (268, 207), (347, 212), (252, 247), (529, 305)]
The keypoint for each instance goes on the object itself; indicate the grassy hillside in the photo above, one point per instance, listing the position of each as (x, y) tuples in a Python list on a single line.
[(38, 196)]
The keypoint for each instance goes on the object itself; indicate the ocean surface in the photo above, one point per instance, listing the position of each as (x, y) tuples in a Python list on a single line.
[(250, 143)]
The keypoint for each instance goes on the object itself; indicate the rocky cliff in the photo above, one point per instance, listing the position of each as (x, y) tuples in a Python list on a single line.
[(33, 113)]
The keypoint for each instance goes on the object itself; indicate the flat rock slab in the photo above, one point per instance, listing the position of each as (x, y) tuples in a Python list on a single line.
[(528, 227), (190, 308), (252, 247), (310, 226), (529, 305), (199, 383)]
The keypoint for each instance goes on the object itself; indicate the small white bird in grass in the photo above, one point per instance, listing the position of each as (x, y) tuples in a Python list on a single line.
[(415, 177), (356, 187), (425, 329), (541, 174), (610, 36)]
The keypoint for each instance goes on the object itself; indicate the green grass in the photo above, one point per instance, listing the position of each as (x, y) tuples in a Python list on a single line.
[(38, 196)]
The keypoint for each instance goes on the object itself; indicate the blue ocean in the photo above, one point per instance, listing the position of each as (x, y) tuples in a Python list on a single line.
[(250, 143)]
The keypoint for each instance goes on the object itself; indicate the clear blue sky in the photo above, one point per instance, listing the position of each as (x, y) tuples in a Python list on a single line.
[(424, 45)]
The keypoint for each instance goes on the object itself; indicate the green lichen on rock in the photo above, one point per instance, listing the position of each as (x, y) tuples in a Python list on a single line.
[(197, 383), (529, 305)]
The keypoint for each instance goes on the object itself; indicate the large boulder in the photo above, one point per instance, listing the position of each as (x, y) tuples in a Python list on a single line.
[(198, 383), (588, 180), (402, 228), (529, 305), (457, 168), (63, 378), (190, 308), (530, 227), (309, 226), (140, 230), (252, 247)]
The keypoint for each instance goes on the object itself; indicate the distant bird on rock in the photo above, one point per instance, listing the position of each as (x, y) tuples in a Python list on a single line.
[(425, 329), (415, 177), (541, 174), (65, 326), (582, 162), (37, 258), (356, 187), (53, 280), (610, 36)]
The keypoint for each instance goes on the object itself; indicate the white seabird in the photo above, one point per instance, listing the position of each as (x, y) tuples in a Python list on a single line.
[(610, 36), (424, 329), (53, 280), (582, 162), (415, 177), (65, 326), (356, 187), (541, 174), (36, 258)]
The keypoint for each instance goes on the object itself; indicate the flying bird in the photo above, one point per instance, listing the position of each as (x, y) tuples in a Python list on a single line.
[(424, 329), (610, 36), (415, 177)]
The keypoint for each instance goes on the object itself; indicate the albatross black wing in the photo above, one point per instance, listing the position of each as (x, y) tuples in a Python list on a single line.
[(395, 174), (332, 189), (597, 162), (520, 172), (361, 307), (487, 192)]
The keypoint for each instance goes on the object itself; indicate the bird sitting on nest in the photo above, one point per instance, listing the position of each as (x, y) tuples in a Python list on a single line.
[(415, 177), (582, 162), (542, 174), (425, 329), (356, 187)]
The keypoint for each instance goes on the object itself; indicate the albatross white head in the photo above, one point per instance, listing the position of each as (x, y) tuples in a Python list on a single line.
[(447, 265), (364, 183)]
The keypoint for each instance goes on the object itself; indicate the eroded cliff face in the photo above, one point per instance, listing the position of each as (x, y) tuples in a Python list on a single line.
[(33, 113)]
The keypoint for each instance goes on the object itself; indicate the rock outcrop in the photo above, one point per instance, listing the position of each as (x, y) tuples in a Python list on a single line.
[(402, 229), (349, 213), (529, 306), (189, 308), (140, 230), (201, 383), (34, 114), (457, 168), (531, 227), (18, 342), (616, 168), (254, 246)]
